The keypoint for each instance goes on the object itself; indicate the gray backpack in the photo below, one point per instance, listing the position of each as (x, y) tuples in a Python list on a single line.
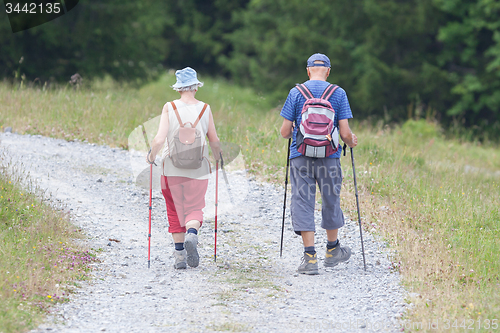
[(186, 151)]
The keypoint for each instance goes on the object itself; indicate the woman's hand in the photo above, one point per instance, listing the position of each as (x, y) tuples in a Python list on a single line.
[(216, 149), (148, 158)]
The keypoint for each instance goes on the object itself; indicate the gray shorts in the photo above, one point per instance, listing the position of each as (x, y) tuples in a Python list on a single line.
[(305, 172)]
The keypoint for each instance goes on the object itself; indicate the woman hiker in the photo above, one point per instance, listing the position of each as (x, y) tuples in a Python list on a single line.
[(184, 188)]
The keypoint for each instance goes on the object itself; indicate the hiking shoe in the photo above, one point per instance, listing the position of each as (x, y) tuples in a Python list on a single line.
[(180, 259), (309, 264), (336, 255), (191, 245)]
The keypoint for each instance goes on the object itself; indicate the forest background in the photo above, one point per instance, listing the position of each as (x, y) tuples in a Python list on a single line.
[(434, 59)]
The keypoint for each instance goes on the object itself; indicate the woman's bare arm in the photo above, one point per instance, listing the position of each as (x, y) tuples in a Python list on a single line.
[(161, 136), (213, 139)]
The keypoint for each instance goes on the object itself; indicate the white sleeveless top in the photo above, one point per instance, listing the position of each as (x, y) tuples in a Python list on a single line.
[(187, 113)]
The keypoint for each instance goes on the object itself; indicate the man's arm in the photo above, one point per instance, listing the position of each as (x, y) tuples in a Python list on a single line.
[(288, 112), (287, 129), (346, 134)]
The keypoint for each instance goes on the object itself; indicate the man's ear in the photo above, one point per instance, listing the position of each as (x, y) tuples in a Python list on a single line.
[(328, 72), (308, 72)]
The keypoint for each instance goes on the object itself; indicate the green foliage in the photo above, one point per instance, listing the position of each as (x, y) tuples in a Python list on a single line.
[(369, 57), (420, 129), (437, 57), (471, 53), (271, 53), (94, 39), (441, 57), (195, 32)]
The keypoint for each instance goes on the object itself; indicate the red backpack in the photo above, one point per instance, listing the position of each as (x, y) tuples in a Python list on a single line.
[(317, 135)]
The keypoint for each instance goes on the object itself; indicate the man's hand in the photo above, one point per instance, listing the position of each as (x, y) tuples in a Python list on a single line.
[(346, 134), (354, 141)]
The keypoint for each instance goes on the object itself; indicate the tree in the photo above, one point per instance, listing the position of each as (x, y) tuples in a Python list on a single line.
[(381, 67), (471, 57), (196, 32), (120, 38)]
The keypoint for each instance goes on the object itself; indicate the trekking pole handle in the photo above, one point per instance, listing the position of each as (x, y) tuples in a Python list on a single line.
[(147, 157)]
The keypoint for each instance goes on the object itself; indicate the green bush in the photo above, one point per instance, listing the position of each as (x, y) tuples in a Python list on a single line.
[(421, 129)]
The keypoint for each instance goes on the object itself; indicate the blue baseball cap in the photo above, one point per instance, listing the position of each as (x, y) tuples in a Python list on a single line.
[(318, 57), (185, 77)]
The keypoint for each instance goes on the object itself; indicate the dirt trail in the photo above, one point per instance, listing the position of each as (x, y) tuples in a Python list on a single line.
[(250, 288)]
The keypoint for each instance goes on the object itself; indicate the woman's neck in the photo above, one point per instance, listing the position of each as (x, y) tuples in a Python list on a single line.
[(188, 97)]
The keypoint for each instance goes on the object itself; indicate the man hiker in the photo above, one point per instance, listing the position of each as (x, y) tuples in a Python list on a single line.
[(320, 164)]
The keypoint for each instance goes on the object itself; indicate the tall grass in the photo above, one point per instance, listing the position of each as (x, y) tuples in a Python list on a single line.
[(103, 115), (435, 200), (39, 259)]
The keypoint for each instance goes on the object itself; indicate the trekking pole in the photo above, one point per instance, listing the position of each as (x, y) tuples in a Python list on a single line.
[(284, 200), (150, 192), (216, 198), (357, 203), (150, 208), (225, 179)]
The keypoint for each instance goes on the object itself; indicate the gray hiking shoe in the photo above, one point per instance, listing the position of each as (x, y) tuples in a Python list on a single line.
[(309, 264), (336, 255), (191, 245), (180, 259)]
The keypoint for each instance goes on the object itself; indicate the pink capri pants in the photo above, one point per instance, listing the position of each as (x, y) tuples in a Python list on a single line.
[(185, 200)]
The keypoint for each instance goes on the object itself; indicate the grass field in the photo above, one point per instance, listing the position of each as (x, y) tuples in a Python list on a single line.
[(435, 200)]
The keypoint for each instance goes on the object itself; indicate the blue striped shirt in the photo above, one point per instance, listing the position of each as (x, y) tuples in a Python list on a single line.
[(295, 101)]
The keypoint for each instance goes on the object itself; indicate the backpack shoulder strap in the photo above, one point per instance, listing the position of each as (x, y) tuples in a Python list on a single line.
[(329, 91), (304, 91), (177, 114), (200, 115)]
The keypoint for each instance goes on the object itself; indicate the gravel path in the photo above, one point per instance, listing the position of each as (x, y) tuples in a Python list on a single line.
[(249, 288)]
